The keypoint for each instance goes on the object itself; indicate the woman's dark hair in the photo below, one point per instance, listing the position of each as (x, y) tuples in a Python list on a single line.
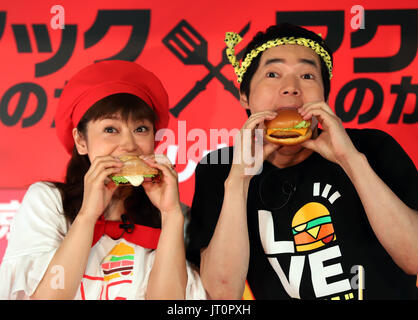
[(139, 208), (278, 31)]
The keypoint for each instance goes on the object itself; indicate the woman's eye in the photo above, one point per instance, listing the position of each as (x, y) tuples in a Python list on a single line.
[(272, 75), (307, 76), (110, 130), (142, 129)]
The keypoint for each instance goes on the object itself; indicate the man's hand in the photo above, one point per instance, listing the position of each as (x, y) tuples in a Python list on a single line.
[(333, 143), (247, 161)]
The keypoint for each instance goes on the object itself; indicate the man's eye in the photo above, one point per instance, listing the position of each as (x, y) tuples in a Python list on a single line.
[(272, 75), (307, 76), (110, 130)]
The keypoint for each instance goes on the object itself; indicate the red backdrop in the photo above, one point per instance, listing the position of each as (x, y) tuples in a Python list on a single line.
[(374, 83)]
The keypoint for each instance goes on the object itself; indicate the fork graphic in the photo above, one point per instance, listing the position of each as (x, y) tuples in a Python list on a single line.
[(192, 49)]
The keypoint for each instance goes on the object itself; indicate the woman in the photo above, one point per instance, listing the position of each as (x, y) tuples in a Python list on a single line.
[(76, 240)]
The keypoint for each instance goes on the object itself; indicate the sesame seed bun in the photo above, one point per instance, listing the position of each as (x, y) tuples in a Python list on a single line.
[(288, 128)]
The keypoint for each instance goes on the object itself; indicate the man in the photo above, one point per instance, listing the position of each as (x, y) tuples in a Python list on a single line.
[(332, 218)]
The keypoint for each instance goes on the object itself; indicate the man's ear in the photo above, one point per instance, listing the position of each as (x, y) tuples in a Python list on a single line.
[(244, 101), (80, 142)]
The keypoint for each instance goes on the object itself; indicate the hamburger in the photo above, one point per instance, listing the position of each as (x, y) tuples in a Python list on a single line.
[(312, 227), (119, 262), (288, 128), (134, 171)]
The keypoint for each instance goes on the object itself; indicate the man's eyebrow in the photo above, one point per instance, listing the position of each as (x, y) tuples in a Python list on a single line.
[(309, 61), (274, 60), (301, 60)]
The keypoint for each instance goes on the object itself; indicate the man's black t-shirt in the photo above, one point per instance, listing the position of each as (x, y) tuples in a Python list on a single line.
[(309, 234)]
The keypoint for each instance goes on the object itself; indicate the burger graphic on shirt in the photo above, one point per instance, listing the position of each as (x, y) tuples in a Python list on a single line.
[(312, 227), (119, 262)]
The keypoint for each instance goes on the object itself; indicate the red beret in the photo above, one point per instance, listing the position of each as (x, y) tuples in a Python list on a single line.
[(103, 79)]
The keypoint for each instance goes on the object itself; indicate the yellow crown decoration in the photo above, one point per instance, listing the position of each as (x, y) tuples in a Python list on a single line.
[(232, 39)]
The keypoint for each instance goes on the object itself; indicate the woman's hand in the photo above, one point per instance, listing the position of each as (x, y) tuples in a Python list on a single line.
[(98, 188), (164, 194), (333, 143), (248, 158)]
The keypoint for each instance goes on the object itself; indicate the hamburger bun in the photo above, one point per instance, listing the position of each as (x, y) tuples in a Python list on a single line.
[(288, 128), (134, 165), (134, 171)]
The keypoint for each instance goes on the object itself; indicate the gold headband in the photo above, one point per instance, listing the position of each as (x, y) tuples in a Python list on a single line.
[(232, 39)]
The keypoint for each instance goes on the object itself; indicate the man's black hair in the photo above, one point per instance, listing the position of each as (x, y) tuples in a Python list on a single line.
[(279, 31)]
